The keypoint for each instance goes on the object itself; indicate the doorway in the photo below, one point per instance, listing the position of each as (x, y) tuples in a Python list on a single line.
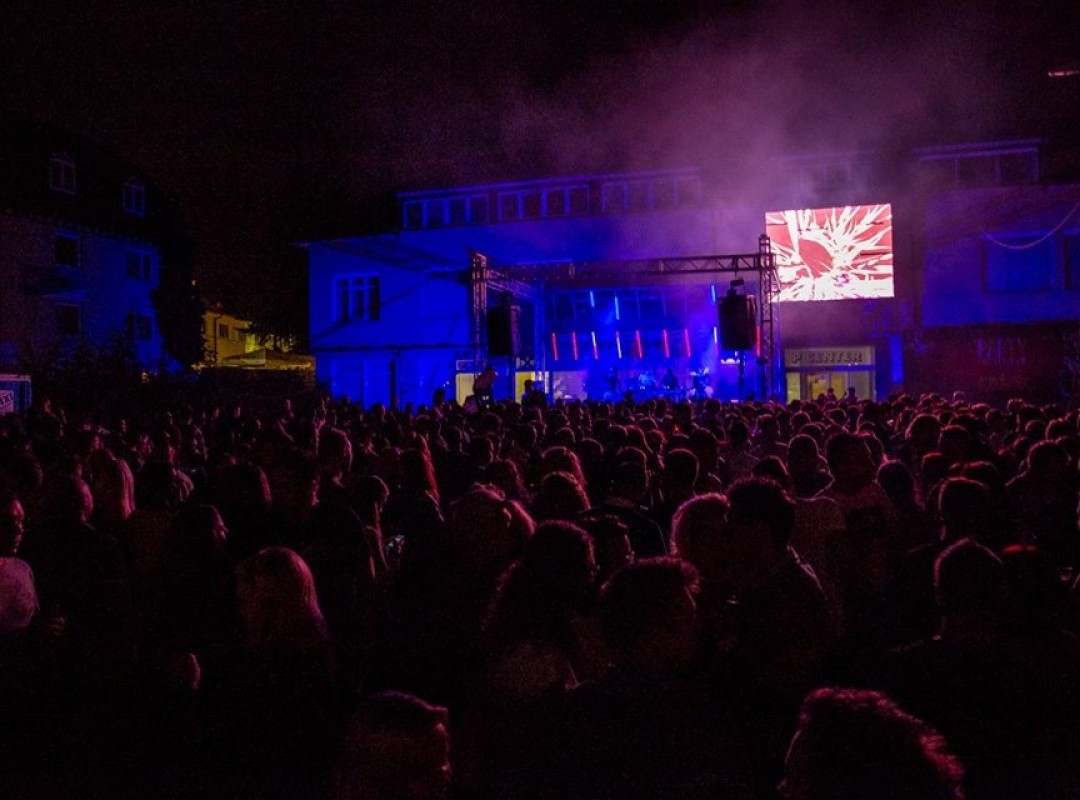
[(812, 385)]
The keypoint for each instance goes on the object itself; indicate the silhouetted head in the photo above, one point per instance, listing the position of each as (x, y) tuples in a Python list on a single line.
[(853, 744), (649, 615), (397, 747)]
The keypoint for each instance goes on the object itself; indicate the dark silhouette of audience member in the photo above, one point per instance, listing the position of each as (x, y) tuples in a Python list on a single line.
[(241, 493), (18, 594), (193, 608), (649, 729), (1043, 497), (856, 744), (541, 637), (771, 619), (440, 599), (911, 610), (818, 522), (971, 681), (540, 609), (272, 708), (678, 479), (561, 459), (80, 573), (739, 457), (860, 557), (611, 546), (413, 510), (915, 526), (767, 439), (397, 747), (711, 468), (335, 457), (504, 474), (809, 474), (343, 566), (455, 470), (629, 486), (783, 622), (559, 497)]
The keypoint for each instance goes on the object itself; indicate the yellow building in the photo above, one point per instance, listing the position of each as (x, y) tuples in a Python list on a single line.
[(228, 341), (225, 336)]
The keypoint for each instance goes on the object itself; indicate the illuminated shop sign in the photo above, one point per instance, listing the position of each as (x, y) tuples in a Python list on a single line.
[(830, 357)]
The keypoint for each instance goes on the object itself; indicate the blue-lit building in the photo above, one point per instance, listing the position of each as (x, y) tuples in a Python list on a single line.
[(80, 249), (616, 278)]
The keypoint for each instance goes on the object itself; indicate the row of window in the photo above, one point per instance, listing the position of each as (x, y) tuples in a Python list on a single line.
[(971, 170), (587, 307), (63, 178), (549, 202), (138, 264), (69, 322)]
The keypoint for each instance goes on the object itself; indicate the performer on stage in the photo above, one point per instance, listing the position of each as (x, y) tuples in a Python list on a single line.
[(669, 383), (483, 385), (702, 389), (646, 385)]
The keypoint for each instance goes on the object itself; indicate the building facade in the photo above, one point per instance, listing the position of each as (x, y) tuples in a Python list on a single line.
[(935, 269), (80, 252)]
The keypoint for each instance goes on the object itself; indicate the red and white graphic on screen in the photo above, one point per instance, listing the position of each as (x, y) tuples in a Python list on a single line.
[(842, 253)]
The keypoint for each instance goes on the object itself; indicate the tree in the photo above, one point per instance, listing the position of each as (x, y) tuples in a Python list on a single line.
[(177, 303)]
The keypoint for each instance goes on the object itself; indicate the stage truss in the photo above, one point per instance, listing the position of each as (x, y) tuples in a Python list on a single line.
[(529, 282)]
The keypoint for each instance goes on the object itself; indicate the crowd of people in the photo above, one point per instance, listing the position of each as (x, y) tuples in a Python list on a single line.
[(841, 599)]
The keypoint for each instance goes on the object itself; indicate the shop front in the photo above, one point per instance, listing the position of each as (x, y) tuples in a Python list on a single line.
[(816, 372)]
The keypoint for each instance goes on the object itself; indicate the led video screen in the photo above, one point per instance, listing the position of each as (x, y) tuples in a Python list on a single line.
[(842, 253)]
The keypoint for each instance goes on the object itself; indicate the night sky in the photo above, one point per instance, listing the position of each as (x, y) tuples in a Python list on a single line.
[(275, 121)]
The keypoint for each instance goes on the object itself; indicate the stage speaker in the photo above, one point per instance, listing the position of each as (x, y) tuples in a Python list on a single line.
[(503, 331), (738, 322)]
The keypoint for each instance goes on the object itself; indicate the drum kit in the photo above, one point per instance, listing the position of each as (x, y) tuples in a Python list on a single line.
[(645, 386)]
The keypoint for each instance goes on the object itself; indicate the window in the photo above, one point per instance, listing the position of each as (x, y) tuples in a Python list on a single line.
[(356, 297), (66, 250), (62, 173), (531, 205), (566, 200), (459, 211), (937, 174), (509, 206), (639, 196), (140, 327), (222, 330), (555, 202), (435, 212), (579, 201), (139, 265), (134, 198), (614, 198), (1018, 168), (69, 320), (414, 215), (689, 190), (478, 210), (664, 194), (976, 171), (1072, 261), (1018, 267)]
